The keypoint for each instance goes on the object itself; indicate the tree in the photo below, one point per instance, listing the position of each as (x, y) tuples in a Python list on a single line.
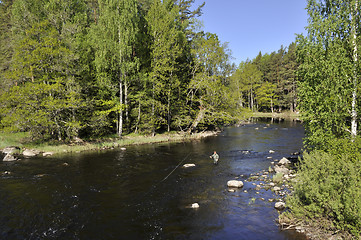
[(6, 47), (166, 47), (208, 86), (114, 37), (329, 70)]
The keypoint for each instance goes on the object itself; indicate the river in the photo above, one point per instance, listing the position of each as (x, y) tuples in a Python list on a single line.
[(140, 193)]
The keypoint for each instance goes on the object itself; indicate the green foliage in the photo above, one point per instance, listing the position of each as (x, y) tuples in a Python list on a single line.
[(327, 71), (76, 68), (268, 82), (330, 186)]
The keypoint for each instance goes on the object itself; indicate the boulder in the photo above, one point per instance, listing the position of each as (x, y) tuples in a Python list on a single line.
[(235, 183), (282, 169), (271, 151), (30, 153), (187, 165), (11, 150), (280, 206), (9, 157), (284, 161)]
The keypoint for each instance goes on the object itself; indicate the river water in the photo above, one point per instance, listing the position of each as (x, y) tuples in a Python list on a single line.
[(141, 194)]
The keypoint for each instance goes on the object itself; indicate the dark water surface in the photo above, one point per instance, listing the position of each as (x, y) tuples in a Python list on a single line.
[(125, 194)]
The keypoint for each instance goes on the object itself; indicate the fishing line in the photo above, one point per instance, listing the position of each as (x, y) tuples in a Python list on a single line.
[(154, 186)]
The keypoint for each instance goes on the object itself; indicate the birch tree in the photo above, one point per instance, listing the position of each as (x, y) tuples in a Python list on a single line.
[(114, 39), (330, 70)]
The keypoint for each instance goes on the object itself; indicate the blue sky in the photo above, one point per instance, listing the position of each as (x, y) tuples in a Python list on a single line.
[(250, 26)]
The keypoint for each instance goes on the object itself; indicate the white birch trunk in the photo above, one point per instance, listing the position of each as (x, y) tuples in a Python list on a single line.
[(355, 60)]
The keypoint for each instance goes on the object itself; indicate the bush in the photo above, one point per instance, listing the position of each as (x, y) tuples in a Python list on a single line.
[(329, 186)]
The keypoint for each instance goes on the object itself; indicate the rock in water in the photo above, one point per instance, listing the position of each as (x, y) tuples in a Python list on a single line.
[(29, 153), (280, 206), (195, 205), (11, 150), (235, 183), (189, 165), (45, 154), (9, 157), (284, 161)]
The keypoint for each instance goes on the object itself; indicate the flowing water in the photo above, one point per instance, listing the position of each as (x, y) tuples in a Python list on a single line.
[(129, 194)]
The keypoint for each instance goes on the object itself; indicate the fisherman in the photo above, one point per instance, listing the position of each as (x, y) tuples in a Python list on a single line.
[(215, 157)]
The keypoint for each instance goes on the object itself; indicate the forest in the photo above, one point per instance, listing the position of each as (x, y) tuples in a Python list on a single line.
[(90, 68)]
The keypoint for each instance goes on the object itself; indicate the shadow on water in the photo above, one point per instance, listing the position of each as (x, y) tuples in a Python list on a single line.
[(127, 195)]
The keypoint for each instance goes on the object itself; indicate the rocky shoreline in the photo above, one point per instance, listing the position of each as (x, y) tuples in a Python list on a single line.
[(14, 153), (279, 178)]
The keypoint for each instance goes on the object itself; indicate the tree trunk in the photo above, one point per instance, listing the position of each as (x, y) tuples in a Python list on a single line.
[(197, 120), (355, 60), (153, 113), (126, 101), (120, 126), (138, 120), (168, 111)]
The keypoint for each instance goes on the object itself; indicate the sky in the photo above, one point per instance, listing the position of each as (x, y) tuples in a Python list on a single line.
[(251, 26)]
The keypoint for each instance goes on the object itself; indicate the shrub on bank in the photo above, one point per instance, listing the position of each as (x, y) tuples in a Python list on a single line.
[(329, 186)]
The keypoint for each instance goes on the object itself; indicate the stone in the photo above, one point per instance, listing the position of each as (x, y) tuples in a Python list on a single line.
[(231, 190), (275, 189), (30, 153), (280, 206), (195, 205), (284, 161), (9, 157), (281, 169), (271, 151), (235, 183), (187, 165), (11, 150), (123, 149), (45, 154)]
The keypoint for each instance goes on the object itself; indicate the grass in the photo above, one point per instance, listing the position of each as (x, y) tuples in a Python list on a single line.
[(21, 140), (12, 139)]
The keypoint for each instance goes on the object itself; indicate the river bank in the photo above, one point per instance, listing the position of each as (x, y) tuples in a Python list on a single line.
[(21, 146)]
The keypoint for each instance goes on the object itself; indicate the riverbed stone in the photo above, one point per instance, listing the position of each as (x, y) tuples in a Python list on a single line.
[(45, 154), (280, 206), (276, 189), (281, 169), (187, 165), (235, 183), (30, 153), (195, 205), (284, 161), (11, 150), (9, 158)]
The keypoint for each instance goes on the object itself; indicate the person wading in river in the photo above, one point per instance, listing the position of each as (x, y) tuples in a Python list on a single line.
[(215, 157)]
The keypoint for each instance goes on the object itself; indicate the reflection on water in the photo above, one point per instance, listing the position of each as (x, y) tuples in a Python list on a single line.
[(127, 194)]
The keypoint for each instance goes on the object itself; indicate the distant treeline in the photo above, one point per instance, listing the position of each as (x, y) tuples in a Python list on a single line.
[(88, 68)]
